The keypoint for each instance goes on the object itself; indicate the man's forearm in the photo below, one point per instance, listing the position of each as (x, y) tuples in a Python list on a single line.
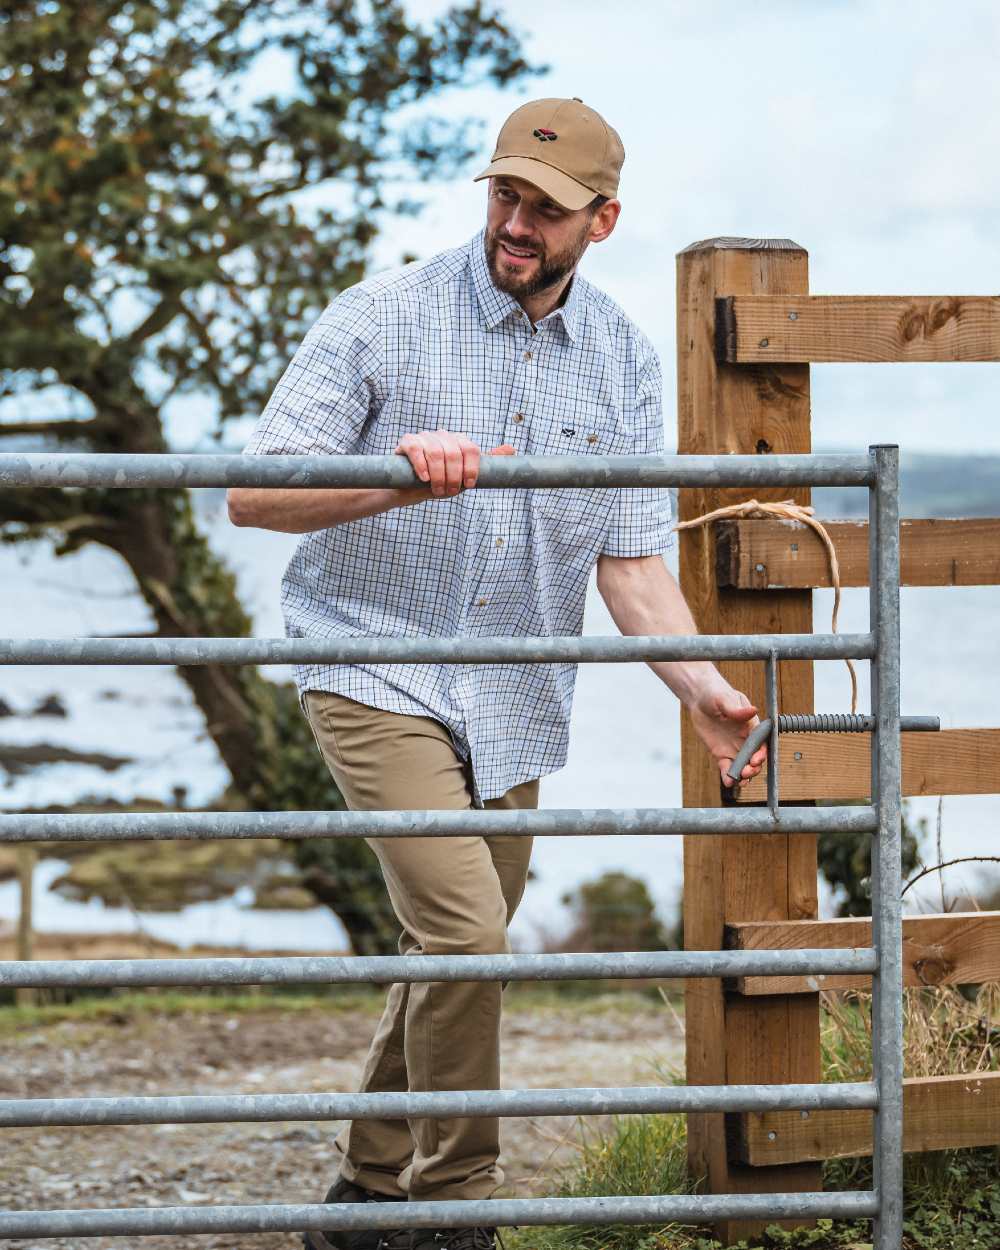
[(303, 511), (643, 597)]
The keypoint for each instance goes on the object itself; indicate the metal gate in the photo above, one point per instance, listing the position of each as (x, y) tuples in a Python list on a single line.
[(878, 471)]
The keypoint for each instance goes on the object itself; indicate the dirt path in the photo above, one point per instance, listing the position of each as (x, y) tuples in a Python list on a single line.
[(599, 1042)]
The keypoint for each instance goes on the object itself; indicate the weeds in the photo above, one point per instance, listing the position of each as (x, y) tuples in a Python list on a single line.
[(642, 1154), (952, 1197), (944, 1031)]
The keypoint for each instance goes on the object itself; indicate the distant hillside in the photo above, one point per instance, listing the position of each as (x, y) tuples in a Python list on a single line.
[(931, 485)]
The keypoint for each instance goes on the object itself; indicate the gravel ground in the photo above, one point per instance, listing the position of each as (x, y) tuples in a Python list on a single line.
[(614, 1041)]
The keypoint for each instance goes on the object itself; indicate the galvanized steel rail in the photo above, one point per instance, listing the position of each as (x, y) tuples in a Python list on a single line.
[(432, 650), (386, 969), (288, 1217), (132, 470), (552, 822), (267, 1108), (879, 472)]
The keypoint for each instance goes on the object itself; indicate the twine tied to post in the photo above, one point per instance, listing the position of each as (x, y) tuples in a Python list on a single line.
[(787, 510)]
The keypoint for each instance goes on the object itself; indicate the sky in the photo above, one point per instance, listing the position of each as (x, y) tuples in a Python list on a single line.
[(867, 132)]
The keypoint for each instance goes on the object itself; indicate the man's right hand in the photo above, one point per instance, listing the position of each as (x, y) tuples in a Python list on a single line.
[(447, 462)]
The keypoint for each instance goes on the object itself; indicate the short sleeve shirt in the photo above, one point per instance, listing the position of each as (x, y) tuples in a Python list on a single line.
[(437, 345)]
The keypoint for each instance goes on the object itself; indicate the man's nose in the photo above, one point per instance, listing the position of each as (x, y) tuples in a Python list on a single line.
[(520, 222)]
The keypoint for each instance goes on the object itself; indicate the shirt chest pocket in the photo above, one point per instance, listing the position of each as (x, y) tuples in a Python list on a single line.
[(592, 430)]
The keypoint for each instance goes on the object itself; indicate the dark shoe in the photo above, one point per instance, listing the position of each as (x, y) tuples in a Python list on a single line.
[(366, 1239), (455, 1239)]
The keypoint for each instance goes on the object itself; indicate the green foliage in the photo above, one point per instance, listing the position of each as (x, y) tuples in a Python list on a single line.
[(144, 180), (951, 1198), (614, 913), (845, 860), (154, 244), (118, 1007), (632, 1155)]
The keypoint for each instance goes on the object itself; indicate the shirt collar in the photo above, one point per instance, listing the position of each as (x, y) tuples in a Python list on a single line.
[(496, 306)]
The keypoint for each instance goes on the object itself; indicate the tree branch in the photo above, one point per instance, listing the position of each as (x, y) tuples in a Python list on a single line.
[(966, 859), (159, 318), (67, 428), (41, 511), (213, 354)]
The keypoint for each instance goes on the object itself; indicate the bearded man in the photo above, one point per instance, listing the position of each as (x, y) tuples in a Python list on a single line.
[(500, 345)]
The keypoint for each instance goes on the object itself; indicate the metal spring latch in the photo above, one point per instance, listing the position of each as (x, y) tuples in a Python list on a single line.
[(820, 722)]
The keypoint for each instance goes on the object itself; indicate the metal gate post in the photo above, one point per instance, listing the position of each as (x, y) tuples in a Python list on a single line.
[(886, 872)]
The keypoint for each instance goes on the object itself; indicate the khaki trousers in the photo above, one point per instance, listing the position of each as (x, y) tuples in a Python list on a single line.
[(451, 896)]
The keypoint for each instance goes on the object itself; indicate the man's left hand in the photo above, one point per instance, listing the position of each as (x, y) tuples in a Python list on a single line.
[(723, 717)]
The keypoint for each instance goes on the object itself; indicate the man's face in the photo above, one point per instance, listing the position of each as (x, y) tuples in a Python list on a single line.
[(532, 243)]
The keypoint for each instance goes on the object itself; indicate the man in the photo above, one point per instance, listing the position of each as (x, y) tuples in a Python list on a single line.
[(498, 344)]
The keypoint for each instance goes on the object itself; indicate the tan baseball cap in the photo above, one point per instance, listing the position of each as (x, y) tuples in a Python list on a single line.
[(561, 146)]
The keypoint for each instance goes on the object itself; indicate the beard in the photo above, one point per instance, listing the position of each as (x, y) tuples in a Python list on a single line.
[(552, 267)]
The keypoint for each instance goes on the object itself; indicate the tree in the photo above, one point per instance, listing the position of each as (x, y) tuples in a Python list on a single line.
[(614, 913), (846, 862), (153, 246)]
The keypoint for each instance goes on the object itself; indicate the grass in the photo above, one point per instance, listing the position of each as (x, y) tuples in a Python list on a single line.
[(943, 1031), (641, 1154), (952, 1198), (125, 1006)]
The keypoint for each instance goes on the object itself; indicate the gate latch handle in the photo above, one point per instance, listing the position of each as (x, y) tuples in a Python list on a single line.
[(823, 722)]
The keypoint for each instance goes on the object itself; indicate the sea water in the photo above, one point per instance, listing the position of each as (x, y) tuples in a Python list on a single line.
[(625, 741)]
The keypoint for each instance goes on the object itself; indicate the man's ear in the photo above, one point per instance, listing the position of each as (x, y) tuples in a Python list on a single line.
[(604, 221)]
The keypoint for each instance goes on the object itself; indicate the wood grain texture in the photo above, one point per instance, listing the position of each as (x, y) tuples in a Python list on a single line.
[(772, 554), (752, 410), (837, 766), (939, 1113), (957, 948), (759, 329), (726, 243)]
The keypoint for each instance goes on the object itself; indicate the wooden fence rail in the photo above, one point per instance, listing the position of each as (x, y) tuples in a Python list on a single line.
[(772, 554), (956, 948), (769, 329), (837, 766), (939, 1113)]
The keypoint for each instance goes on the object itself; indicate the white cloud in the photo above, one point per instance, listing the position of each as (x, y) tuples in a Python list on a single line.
[(867, 132)]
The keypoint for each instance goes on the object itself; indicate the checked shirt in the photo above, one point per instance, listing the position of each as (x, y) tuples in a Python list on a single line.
[(437, 345)]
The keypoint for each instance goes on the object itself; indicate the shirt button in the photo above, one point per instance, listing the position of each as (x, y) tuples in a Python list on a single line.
[(527, 355), (499, 542), (518, 417), (591, 438), (480, 603)]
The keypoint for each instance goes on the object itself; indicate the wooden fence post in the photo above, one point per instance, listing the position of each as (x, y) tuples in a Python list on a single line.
[(750, 409), (25, 921)]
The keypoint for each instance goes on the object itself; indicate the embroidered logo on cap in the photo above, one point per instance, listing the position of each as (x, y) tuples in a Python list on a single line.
[(542, 134)]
